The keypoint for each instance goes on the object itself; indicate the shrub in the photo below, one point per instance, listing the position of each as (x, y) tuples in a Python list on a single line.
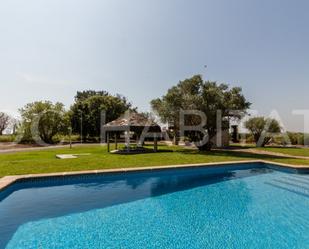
[(7, 138)]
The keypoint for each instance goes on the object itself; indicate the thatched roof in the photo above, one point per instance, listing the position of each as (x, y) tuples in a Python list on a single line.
[(132, 121)]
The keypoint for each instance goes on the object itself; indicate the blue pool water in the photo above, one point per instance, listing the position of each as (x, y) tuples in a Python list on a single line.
[(251, 206)]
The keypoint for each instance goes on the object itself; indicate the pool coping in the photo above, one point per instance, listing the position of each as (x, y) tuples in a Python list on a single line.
[(9, 180)]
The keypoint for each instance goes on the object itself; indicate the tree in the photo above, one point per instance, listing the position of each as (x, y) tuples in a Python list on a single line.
[(43, 120), (4, 122), (15, 123), (296, 138), (86, 111), (262, 129), (83, 95), (204, 96)]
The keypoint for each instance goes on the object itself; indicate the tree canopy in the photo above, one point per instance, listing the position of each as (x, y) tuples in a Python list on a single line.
[(262, 129), (43, 120), (88, 107), (207, 97), (83, 95)]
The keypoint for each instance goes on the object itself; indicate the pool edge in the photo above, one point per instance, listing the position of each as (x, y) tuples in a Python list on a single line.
[(9, 180)]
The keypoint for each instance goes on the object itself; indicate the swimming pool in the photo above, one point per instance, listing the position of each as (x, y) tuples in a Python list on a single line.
[(236, 206)]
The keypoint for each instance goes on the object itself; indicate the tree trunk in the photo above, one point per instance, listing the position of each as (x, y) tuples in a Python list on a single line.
[(208, 145), (205, 147), (175, 140)]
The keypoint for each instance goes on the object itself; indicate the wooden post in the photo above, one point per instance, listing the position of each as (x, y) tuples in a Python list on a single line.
[(70, 137), (116, 144), (155, 143), (129, 140), (127, 135), (107, 135)]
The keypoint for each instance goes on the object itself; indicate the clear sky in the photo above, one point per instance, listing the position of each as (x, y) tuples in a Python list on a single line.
[(139, 48)]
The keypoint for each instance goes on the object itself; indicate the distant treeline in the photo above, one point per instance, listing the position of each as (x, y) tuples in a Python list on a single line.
[(289, 138)]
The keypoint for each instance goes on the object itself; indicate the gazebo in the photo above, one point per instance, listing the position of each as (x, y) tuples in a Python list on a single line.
[(132, 123)]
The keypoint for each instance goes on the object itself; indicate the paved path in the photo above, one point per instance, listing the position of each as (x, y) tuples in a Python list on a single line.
[(25, 149), (269, 153)]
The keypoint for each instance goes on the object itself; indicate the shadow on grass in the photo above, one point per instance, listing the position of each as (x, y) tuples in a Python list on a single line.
[(237, 147)]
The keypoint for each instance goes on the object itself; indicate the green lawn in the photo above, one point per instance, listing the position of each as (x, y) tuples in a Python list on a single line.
[(45, 162)]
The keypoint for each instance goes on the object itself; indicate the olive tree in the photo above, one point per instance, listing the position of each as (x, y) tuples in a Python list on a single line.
[(206, 97), (43, 120), (262, 129)]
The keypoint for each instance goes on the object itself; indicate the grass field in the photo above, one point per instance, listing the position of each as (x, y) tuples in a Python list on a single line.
[(45, 161)]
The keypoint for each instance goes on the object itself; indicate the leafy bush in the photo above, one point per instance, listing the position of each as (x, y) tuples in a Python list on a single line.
[(61, 138), (7, 138), (296, 138)]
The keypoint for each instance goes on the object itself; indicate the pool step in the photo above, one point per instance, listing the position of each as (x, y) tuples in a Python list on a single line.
[(295, 184), (301, 177), (292, 184), (299, 180)]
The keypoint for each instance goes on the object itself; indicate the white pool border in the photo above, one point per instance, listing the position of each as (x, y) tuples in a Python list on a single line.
[(9, 180)]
